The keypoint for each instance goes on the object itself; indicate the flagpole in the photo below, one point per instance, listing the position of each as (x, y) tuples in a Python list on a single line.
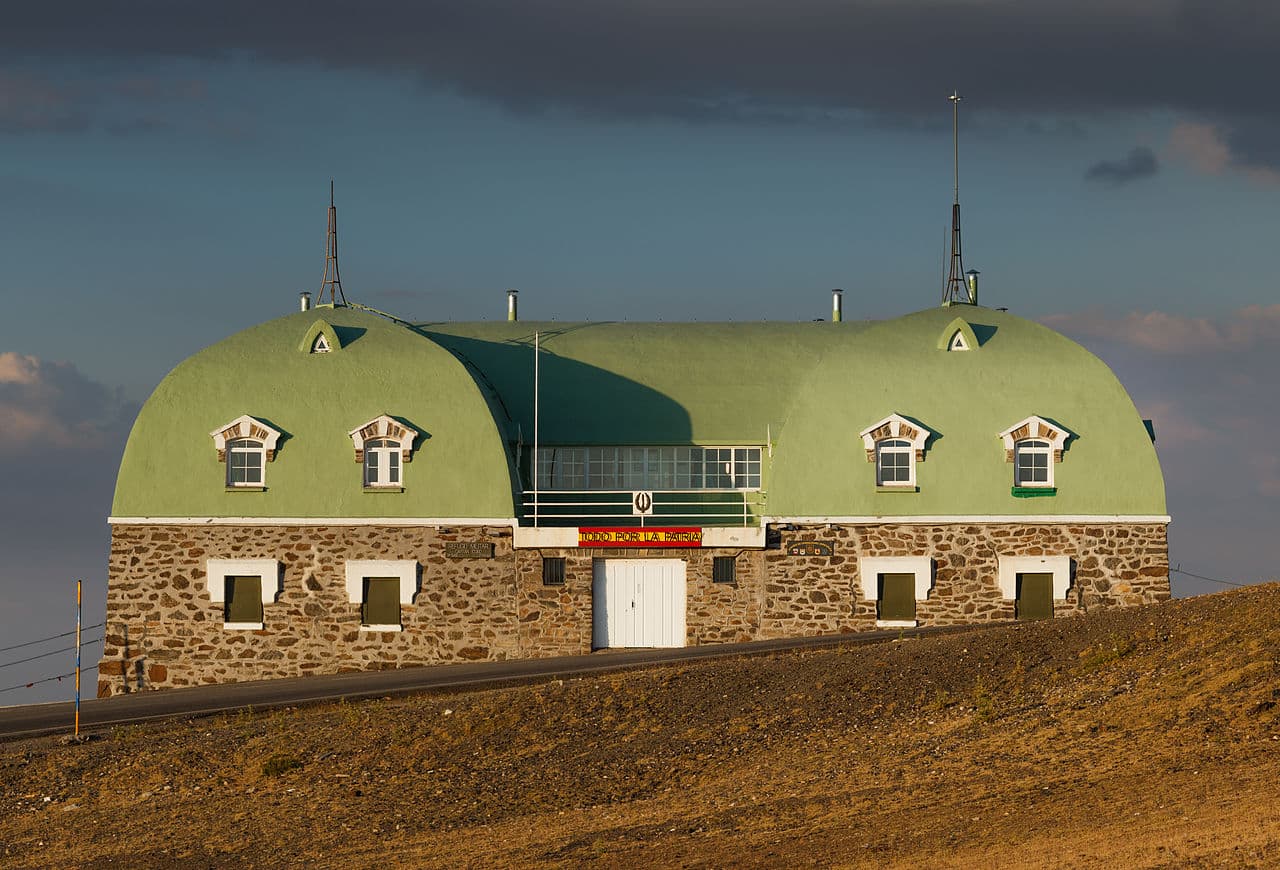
[(78, 609), (535, 428)]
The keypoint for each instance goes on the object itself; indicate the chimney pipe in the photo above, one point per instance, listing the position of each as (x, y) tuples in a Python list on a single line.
[(512, 313), (972, 280), (304, 301), (837, 306)]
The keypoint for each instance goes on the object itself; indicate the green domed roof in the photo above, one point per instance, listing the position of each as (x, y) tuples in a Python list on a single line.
[(459, 465)]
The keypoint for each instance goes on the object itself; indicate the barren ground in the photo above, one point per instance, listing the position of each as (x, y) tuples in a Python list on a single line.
[(1145, 738)]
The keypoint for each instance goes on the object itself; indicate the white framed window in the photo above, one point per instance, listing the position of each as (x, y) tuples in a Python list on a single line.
[(381, 462), (382, 447), (895, 463), (651, 468), (1032, 462), (1033, 446), (246, 462), (895, 584), (895, 444), (245, 445), (1018, 576), (243, 588), (369, 582)]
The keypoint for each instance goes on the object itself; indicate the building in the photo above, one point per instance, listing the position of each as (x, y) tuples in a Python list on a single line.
[(336, 489)]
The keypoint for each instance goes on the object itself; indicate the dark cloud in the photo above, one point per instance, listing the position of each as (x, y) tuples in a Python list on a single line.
[(1139, 163), (712, 58)]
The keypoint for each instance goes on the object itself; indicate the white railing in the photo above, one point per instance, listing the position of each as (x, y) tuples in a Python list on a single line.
[(616, 507)]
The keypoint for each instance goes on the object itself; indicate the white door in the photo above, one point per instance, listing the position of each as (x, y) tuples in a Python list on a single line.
[(637, 602)]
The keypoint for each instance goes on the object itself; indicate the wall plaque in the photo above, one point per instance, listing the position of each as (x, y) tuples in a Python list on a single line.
[(811, 548), (468, 549)]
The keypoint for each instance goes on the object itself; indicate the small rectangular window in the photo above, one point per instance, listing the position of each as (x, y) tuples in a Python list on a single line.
[(897, 597), (553, 571), (722, 569), (381, 601), (242, 602)]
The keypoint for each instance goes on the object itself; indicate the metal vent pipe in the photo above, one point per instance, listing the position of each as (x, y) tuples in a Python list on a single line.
[(837, 306), (304, 301), (512, 312)]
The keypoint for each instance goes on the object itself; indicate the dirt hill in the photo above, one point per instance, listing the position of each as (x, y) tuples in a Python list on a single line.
[(1144, 738)]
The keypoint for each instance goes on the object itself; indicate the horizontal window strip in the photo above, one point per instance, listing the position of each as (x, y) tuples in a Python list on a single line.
[(577, 469)]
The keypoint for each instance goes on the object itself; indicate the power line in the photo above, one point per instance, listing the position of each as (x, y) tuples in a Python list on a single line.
[(51, 637), (50, 653), (1178, 570), (59, 677)]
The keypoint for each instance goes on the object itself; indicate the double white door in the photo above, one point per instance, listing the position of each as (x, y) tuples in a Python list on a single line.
[(638, 603)]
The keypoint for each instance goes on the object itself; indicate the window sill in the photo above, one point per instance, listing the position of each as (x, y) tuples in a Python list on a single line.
[(1033, 491), (382, 627), (897, 489), (243, 626), (897, 623), (246, 489), (384, 489)]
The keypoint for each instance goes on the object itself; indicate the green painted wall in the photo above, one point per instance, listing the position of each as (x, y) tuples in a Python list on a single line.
[(460, 467)]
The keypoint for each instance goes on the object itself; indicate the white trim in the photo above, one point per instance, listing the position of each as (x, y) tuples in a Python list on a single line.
[(244, 427), (242, 626), (1012, 566), (1039, 428), (218, 570), (406, 570), (898, 623), (896, 423), (733, 536), (957, 341), (311, 521), (387, 427), (364, 627), (975, 519), (871, 567)]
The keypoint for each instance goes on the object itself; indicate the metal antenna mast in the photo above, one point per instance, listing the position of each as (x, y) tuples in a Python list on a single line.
[(332, 281), (956, 290)]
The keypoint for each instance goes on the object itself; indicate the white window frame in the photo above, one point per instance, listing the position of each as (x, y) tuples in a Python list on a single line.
[(895, 446), (406, 570), (248, 429), (1009, 567), (384, 450), (895, 427), (242, 447), (218, 570), (1034, 428), (1033, 447), (871, 567), (380, 428)]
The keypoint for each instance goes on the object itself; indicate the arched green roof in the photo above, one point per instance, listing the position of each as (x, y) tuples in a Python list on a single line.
[(459, 467), (966, 398)]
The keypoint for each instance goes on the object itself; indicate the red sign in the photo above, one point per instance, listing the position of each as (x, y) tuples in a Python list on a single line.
[(664, 536)]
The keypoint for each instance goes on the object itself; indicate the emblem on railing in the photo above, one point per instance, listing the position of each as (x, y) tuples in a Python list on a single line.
[(642, 504)]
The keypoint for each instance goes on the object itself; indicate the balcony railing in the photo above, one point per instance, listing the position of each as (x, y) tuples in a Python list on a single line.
[(713, 507)]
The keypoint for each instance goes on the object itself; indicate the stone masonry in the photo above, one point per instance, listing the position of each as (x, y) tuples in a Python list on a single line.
[(163, 630)]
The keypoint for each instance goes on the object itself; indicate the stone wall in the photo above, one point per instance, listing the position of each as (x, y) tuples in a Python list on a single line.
[(164, 630)]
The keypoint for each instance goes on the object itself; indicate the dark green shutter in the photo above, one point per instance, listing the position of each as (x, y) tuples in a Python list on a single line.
[(243, 599), (1035, 596), (897, 596), (381, 601)]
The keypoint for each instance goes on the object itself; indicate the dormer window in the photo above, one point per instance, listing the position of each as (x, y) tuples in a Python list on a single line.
[(1034, 446), (246, 445), (895, 463), (246, 462), (895, 444), (382, 446), (1032, 463), (382, 462)]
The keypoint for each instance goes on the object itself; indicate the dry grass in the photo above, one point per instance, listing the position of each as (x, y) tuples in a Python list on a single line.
[(1145, 738)]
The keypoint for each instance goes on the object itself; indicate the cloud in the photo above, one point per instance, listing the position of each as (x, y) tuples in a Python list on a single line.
[(1176, 334), (757, 61), (52, 405), (1213, 150), (1137, 164), (123, 106)]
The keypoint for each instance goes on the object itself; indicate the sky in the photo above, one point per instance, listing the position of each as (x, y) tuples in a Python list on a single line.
[(165, 168)]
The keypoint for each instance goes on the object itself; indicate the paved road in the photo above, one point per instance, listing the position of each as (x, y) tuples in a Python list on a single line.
[(34, 720)]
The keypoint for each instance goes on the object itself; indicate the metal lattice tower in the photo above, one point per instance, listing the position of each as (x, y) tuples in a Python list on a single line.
[(332, 280), (956, 289)]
